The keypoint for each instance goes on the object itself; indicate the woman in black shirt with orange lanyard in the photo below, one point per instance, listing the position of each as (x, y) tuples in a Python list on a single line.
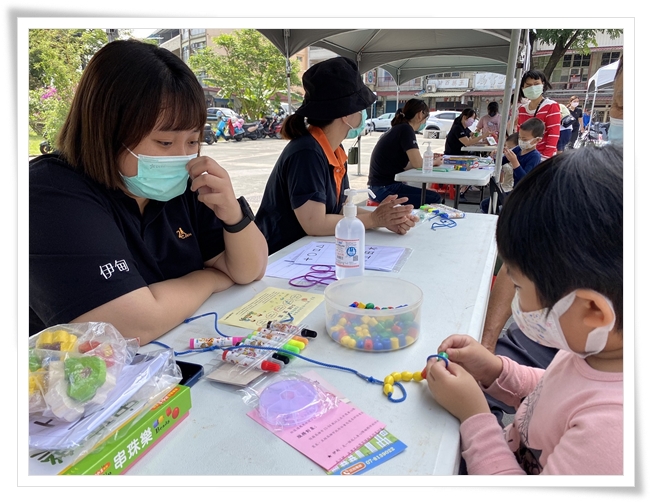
[(459, 135)]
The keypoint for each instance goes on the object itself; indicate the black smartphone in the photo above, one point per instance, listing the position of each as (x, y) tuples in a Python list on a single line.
[(190, 372)]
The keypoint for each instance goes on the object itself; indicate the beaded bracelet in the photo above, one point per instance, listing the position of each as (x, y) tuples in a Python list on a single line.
[(406, 376)]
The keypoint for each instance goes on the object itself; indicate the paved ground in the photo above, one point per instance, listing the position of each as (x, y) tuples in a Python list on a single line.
[(249, 164)]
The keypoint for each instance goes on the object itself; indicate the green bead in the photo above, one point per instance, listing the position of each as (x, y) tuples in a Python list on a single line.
[(370, 305), (443, 354)]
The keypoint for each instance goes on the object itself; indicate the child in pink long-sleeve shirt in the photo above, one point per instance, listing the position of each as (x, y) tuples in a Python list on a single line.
[(560, 235)]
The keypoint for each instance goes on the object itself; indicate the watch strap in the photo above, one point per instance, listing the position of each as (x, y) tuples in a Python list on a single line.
[(244, 222)]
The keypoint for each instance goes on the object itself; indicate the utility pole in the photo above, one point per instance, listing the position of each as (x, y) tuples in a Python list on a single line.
[(112, 35)]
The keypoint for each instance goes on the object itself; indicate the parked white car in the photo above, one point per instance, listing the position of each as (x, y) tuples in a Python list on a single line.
[(381, 123), (440, 122)]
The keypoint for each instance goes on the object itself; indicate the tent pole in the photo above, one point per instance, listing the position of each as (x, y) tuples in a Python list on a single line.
[(287, 33), (510, 73)]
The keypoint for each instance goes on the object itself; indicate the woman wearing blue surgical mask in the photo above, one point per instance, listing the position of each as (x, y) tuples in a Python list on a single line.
[(533, 86), (305, 192), (397, 151), (129, 224)]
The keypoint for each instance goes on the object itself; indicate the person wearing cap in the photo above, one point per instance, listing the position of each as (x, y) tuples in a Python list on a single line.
[(305, 192)]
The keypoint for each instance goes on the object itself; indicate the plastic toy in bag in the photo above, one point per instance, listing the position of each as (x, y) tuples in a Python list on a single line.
[(72, 366)]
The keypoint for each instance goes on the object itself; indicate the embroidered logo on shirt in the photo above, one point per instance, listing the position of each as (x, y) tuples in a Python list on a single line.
[(106, 271), (181, 234)]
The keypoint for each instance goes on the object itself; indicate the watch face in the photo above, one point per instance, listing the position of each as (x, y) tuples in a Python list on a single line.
[(246, 208)]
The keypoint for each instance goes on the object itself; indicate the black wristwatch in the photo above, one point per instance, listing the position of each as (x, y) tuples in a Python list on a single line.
[(248, 218)]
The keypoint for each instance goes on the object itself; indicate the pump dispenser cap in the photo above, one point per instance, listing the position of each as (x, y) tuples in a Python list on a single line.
[(349, 209)]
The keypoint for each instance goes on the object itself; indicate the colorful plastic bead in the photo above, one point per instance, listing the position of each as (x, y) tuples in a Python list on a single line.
[(389, 380)]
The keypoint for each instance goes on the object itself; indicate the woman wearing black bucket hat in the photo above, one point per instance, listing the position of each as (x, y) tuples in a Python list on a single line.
[(305, 191)]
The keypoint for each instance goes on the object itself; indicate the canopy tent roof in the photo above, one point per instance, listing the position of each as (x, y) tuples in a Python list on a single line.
[(603, 76), (412, 52), (406, 69), (372, 48), (290, 41)]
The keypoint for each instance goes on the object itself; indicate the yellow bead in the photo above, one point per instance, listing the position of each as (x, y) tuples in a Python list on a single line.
[(336, 327), (372, 321), (396, 376), (409, 340), (365, 319), (389, 380), (344, 340), (361, 306), (388, 388), (394, 343), (407, 376), (417, 376), (343, 321)]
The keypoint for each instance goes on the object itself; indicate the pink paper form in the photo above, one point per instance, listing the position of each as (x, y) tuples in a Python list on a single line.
[(330, 438)]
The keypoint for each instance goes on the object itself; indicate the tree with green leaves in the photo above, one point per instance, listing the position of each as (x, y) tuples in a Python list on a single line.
[(251, 69), (56, 60), (563, 40)]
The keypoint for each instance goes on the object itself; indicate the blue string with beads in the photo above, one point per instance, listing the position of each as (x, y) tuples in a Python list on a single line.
[(368, 379)]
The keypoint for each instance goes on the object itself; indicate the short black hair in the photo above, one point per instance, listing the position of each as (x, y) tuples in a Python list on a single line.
[(535, 126), (128, 89), (535, 75), (493, 106), (562, 226)]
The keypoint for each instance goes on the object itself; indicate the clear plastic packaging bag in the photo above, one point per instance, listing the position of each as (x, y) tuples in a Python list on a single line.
[(288, 400), (72, 366), (82, 375)]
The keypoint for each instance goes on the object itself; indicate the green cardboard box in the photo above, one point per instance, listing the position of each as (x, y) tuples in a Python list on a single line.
[(134, 438)]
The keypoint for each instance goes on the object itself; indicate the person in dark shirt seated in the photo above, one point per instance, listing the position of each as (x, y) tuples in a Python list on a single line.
[(128, 223), (459, 134), (305, 192), (397, 151)]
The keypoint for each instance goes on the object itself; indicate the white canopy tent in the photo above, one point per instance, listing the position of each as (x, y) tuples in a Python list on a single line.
[(603, 78)]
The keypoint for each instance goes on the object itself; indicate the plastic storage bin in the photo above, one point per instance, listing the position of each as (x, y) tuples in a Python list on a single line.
[(392, 323)]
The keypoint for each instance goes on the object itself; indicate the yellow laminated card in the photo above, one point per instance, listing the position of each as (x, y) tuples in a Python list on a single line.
[(273, 304)]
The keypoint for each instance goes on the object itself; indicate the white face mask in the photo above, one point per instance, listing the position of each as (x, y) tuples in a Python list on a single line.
[(534, 91), (575, 103), (546, 329), (525, 145)]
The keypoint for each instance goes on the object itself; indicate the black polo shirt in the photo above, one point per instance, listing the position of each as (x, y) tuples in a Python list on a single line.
[(89, 245), (389, 156), (301, 173), (452, 143)]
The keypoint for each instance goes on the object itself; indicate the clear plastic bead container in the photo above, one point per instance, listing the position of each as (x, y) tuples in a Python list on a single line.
[(389, 319)]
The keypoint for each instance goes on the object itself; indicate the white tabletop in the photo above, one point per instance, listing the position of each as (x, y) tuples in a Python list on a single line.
[(453, 267), (479, 148), (476, 177)]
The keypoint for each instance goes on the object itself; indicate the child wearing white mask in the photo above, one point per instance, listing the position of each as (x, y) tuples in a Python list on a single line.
[(561, 240), (520, 159), (533, 85)]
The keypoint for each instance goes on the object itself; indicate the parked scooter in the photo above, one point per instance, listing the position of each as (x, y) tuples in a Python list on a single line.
[(208, 134), (253, 130), (596, 133), (45, 147), (272, 127)]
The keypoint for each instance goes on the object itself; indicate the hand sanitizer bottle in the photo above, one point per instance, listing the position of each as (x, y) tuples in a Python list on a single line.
[(350, 236), (427, 160)]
